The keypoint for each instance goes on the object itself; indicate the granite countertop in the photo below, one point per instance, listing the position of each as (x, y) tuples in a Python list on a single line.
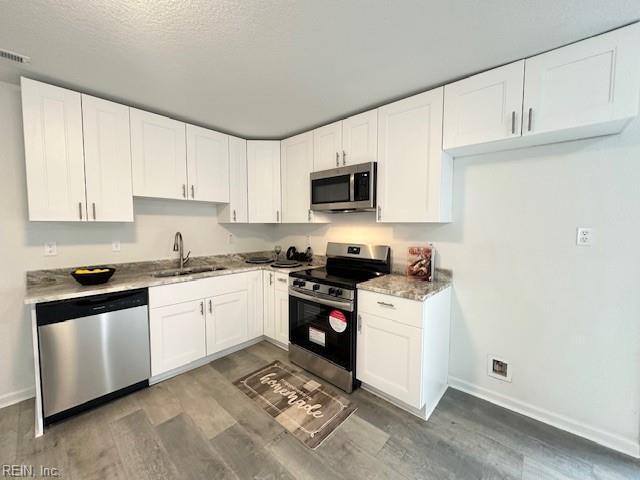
[(58, 284), (405, 287)]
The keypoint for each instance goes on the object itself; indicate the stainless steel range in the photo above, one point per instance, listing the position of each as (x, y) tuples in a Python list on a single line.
[(322, 310)]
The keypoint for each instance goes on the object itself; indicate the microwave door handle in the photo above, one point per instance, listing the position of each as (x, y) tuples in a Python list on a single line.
[(352, 187)]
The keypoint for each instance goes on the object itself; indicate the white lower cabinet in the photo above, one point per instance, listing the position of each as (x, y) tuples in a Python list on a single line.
[(227, 321), (177, 335), (276, 307), (191, 320), (403, 348)]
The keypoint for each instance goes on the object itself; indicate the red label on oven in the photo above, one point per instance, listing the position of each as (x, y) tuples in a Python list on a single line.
[(338, 321)]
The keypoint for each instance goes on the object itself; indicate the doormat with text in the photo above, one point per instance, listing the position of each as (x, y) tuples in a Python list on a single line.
[(305, 407)]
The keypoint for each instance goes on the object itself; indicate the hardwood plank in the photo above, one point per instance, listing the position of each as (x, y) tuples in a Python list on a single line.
[(9, 433), (302, 462), (140, 448), (190, 452), (262, 427), (159, 403), (194, 400), (362, 433), (91, 450), (247, 458)]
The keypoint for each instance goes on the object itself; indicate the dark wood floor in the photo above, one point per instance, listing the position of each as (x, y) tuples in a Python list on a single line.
[(198, 425)]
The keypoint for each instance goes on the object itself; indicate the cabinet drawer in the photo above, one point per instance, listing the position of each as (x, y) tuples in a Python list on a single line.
[(282, 282), (401, 310)]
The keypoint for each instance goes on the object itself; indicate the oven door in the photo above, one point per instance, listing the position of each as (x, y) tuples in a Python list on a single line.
[(323, 326)]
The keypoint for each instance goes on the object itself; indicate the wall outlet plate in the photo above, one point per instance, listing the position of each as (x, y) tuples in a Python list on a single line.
[(50, 249), (115, 246), (498, 367), (584, 236)]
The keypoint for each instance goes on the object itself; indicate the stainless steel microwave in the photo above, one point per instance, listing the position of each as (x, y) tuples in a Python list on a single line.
[(344, 189)]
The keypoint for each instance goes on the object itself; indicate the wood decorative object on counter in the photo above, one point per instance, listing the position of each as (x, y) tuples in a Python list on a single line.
[(420, 262)]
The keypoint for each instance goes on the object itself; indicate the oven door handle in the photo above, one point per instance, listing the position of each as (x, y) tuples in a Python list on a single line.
[(344, 305)]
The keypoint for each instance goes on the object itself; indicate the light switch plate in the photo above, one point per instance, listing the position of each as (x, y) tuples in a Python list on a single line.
[(50, 249)]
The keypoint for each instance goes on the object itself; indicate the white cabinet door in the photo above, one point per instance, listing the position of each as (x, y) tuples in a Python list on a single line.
[(586, 83), (255, 304), (389, 358), (269, 305), (360, 138), (296, 165), (236, 210), (227, 320), (414, 177), (485, 107), (327, 147), (263, 169), (177, 335), (52, 121), (207, 165), (158, 155), (281, 307), (107, 158)]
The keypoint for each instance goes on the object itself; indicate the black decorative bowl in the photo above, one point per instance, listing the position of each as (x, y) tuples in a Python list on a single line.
[(89, 277)]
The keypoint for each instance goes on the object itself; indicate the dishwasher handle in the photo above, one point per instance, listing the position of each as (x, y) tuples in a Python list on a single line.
[(62, 310)]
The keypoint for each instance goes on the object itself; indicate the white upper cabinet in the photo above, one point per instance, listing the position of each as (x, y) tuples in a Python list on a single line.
[(485, 107), (107, 157), (207, 165), (296, 163), (585, 89), (327, 147), (360, 138), (158, 152), (588, 83), (263, 172), (236, 210), (52, 120), (414, 175)]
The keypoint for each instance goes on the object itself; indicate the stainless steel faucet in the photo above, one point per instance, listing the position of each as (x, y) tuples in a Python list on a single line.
[(178, 247)]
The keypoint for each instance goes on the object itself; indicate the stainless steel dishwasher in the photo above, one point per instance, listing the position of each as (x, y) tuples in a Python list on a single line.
[(92, 349)]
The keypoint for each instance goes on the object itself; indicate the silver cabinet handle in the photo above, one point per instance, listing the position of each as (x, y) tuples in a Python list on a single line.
[(234, 215), (277, 216), (271, 279), (379, 213), (193, 191), (344, 157), (184, 191), (337, 159), (513, 123), (201, 308), (93, 207), (282, 280), (210, 306), (359, 323), (309, 215), (80, 209), (385, 304), (530, 118)]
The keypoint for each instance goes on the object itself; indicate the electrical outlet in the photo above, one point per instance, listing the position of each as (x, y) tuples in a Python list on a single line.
[(50, 249), (308, 240), (498, 368), (230, 238), (115, 246), (584, 237)]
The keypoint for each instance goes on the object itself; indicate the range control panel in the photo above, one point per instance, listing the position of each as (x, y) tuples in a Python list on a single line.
[(322, 289)]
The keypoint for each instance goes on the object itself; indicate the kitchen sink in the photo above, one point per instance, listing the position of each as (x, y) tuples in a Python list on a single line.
[(177, 272)]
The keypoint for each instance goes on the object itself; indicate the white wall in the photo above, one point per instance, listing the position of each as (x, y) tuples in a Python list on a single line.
[(566, 318), (22, 244)]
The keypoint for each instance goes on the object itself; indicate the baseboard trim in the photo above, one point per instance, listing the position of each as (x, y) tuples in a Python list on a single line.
[(12, 398), (601, 437)]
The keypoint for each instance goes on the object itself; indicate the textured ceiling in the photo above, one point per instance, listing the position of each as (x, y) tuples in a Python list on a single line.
[(266, 69)]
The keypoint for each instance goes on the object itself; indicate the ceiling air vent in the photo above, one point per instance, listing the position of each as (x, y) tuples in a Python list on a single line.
[(14, 57)]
